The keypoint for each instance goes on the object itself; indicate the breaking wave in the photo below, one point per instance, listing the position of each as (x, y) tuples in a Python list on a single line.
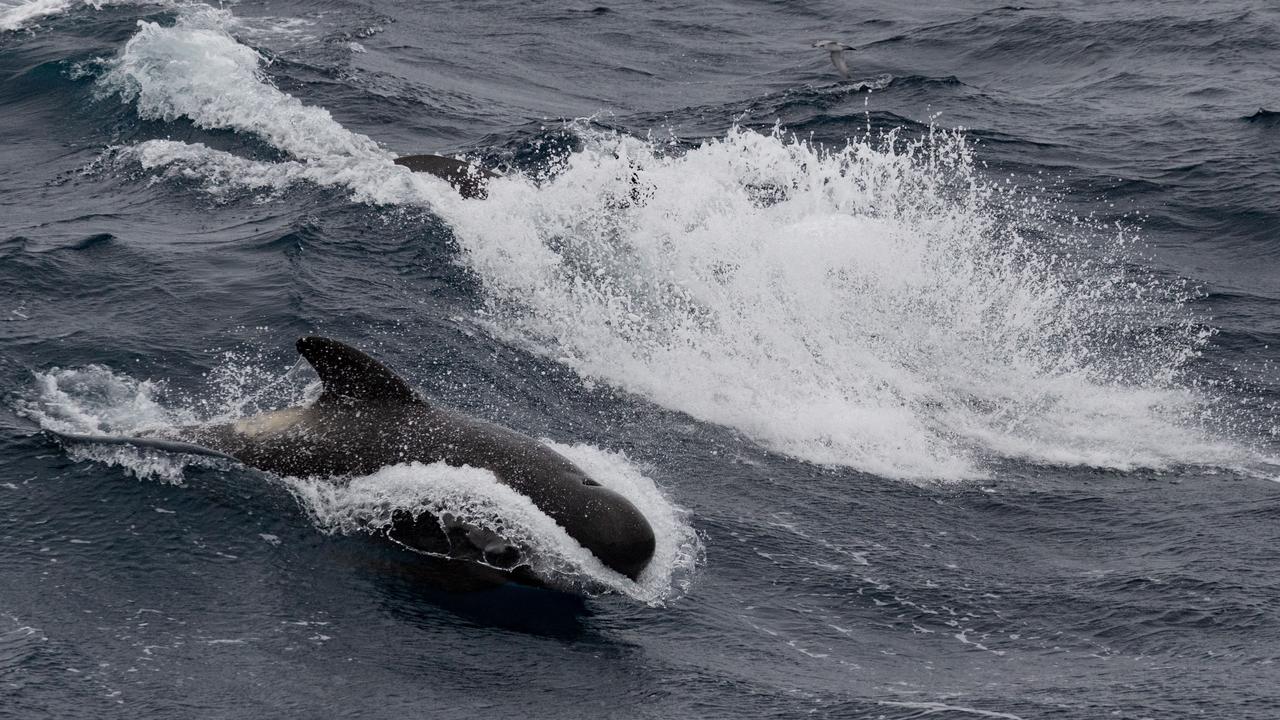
[(884, 305)]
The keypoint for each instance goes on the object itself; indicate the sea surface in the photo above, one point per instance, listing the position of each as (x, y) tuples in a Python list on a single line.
[(951, 388)]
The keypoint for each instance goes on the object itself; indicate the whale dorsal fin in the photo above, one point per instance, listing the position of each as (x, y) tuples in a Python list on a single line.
[(348, 373)]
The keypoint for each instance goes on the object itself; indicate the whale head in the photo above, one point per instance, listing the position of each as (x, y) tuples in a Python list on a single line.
[(615, 531)]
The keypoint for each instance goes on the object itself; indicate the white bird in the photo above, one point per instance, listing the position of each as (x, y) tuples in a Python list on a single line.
[(837, 54)]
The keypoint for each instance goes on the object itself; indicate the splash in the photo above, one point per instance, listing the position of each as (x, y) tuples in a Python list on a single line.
[(883, 306), (879, 306), (93, 400), (476, 496), (196, 69)]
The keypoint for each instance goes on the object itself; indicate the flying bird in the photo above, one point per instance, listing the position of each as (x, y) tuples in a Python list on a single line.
[(837, 54)]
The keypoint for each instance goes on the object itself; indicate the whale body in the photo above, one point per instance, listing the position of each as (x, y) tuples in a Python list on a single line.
[(469, 179), (367, 417)]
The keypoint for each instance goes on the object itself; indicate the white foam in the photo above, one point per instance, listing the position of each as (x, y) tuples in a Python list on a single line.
[(197, 70), (19, 15), (14, 16), (27, 14), (880, 312), (478, 498), (373, 180), (141, 463), (880, 306), (94, 400)]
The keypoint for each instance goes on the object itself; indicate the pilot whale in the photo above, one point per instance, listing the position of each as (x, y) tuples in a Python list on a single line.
[(367, 417), (469, 179)]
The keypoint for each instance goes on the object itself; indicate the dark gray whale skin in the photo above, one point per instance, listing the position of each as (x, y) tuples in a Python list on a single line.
[(368, 417), (469, 179)]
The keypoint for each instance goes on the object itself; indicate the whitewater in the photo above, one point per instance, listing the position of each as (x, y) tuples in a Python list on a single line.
[(879, 305)]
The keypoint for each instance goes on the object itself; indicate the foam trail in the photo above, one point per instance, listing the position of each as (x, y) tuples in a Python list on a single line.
[(17, 16), (93, 400), (25, 14), (197, 70), (880, 306)]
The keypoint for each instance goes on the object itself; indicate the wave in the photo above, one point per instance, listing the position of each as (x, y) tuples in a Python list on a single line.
[(882, 306), (97, 400), (23, 15), (196, 69), (876, 306), (1263, 117)]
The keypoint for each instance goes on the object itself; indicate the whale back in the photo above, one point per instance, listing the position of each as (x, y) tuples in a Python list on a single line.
[(469, 179)]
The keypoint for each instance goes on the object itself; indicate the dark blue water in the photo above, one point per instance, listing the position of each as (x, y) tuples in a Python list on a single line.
[(950, 388)]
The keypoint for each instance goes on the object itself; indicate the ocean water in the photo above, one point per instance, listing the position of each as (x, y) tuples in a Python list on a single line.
[(950, 388)]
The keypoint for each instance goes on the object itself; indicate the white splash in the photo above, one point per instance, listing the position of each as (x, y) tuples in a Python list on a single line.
[(196, 69), (93, 400), (477, 497), (881, 306), (873, 306)]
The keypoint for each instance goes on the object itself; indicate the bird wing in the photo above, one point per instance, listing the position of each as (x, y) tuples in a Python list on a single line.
[(837, 59)]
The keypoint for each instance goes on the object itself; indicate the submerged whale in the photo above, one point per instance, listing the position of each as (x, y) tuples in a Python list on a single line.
[(367, 417), (469, 179)]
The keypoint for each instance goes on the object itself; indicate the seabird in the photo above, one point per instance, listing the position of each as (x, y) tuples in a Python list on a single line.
[(837, 54)]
